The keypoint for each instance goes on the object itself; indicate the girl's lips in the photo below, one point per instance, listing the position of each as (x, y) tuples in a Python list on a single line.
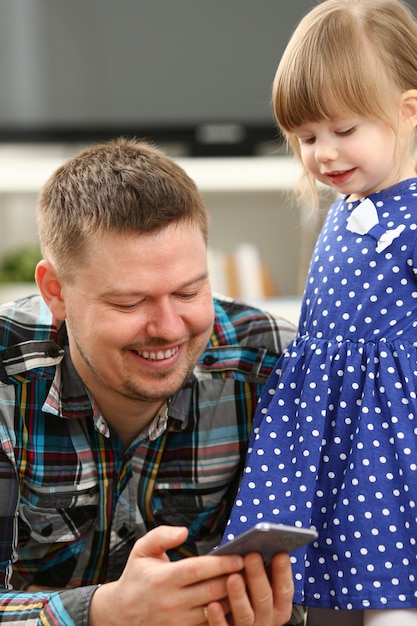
[(340, 177)]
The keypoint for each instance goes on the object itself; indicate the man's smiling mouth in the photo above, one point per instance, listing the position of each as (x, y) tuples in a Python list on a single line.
[(158, 355)]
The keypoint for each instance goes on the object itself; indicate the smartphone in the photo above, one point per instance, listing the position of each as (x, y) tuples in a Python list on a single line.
[(268, 539)]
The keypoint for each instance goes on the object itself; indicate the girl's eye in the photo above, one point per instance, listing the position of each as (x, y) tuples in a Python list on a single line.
[(307, 140), (347, 131)]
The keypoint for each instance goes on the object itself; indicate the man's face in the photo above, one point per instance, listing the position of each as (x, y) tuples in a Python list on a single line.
[(139, 313)]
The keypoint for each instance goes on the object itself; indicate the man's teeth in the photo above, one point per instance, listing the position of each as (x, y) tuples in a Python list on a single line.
[(158, 356)]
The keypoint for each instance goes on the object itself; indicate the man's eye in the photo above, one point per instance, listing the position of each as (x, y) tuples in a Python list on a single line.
[(187, 295), (127, 307)]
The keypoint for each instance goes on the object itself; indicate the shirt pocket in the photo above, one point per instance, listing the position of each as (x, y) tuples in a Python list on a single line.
[(203, 509), (50, 514)]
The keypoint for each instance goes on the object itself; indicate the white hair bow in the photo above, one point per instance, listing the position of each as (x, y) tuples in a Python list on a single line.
[(364, 221)]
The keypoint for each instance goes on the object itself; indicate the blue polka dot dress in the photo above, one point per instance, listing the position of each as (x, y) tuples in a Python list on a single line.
[(334, 444)]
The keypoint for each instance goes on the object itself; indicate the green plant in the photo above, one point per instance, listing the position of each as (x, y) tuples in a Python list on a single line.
[(18, 266)]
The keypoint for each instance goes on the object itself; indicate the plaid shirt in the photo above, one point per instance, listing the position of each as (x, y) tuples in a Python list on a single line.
[(73, 500)]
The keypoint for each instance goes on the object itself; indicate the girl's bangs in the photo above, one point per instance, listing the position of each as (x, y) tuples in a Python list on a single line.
[(329, 94)]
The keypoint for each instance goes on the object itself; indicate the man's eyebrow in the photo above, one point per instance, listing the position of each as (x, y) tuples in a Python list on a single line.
[(197, 279), (115, 292)]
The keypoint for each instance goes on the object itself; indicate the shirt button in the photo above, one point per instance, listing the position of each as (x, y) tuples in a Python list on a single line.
[(209, 359)]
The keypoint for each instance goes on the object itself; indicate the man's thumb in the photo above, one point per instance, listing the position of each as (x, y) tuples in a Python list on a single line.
[(158, 540)]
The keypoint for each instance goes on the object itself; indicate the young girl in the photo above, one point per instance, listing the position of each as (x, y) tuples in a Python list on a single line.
[(335, 438)]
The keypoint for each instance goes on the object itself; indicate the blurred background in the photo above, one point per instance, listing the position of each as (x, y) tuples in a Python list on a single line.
[(194, 77), (191, 74)]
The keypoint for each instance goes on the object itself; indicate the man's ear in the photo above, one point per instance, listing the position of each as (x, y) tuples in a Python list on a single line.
[(408, 109), (50, 288)]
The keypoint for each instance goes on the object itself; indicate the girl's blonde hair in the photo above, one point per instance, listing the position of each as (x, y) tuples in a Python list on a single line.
[(346, 56)]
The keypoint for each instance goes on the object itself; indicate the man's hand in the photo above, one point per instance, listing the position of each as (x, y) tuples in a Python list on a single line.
[(197, 591), (254, 599), (152, 590)]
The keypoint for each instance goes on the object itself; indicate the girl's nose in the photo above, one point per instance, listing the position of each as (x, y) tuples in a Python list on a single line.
[(325, 151)]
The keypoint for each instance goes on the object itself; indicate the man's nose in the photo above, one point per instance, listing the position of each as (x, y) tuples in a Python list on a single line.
[(165, 320)]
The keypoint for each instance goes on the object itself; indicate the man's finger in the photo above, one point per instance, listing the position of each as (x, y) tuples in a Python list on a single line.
[(158, 540)]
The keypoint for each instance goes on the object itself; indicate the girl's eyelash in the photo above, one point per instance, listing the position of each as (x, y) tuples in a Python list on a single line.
[(342, 133)]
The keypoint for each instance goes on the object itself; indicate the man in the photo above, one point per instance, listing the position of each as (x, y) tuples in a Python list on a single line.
[(126, 401)]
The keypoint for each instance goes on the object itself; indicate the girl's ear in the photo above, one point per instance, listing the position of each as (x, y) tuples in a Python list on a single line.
[(50, 288), (408, 108)]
